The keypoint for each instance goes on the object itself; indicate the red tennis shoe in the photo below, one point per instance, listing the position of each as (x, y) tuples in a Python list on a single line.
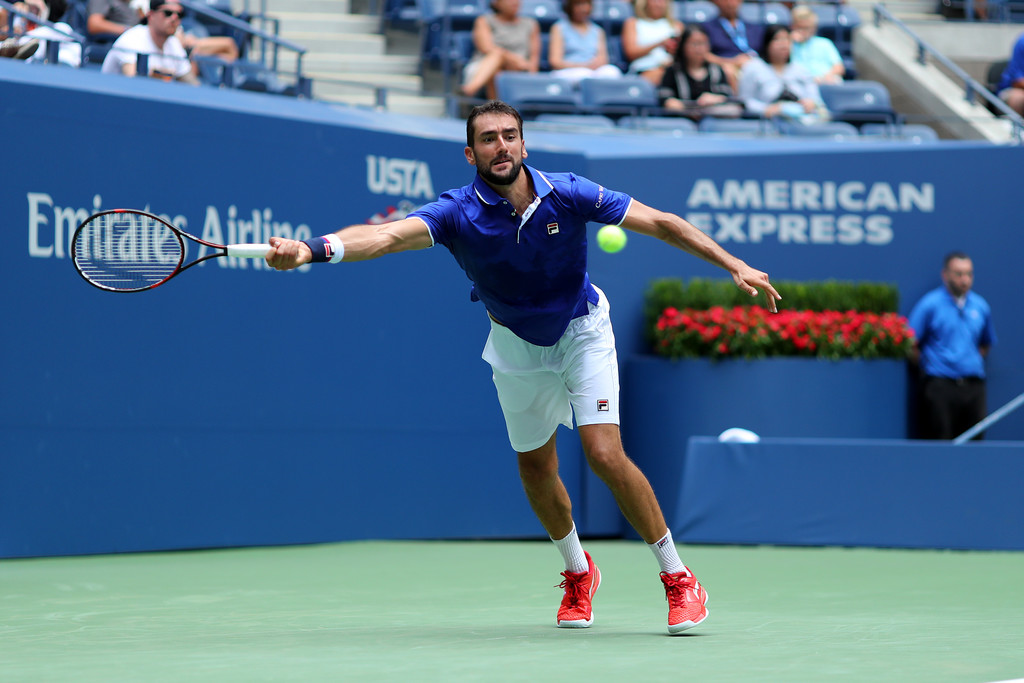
[(576, 610), (686, 600)]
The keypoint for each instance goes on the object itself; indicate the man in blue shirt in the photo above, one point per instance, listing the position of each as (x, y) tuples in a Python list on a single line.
[(953, 329), (520, 236), (1011, 84)]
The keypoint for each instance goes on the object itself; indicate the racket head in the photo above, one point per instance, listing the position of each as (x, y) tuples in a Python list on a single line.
[(125, 250)]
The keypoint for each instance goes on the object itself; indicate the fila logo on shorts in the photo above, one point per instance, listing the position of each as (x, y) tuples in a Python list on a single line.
[(602, 405)]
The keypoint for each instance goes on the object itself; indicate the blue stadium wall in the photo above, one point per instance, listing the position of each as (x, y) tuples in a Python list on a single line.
[(240, 406)]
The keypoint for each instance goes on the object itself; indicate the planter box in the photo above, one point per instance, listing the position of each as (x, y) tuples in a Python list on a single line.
[(665, 402)]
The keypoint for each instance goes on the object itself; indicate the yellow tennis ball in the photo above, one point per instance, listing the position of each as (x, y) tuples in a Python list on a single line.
[(611, 238)]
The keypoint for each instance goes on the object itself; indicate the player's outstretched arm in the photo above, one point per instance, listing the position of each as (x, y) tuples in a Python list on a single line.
[(361, 243), (684, 235)]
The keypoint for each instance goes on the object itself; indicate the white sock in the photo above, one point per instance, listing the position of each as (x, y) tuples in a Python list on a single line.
[(668, 557), (572, 552)]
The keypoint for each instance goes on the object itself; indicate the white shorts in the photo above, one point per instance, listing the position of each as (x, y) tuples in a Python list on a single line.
[(541, 387)]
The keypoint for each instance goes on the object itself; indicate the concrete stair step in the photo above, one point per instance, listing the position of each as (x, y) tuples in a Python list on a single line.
[(353, 64), (340, 43), (335, 83), (309, 22), (401, 104), (323, 6)]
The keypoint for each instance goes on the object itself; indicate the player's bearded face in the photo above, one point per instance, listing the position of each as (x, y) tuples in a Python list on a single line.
[(502, 169)]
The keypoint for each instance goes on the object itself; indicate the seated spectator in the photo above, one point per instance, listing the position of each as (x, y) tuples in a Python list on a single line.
[(733, 41), (1011, 85), (110, 17), (155, 37), (577, 47), (817, 54), (114, 17), (772, 86), (504, 41), (693, 85), (69, 53), (16, 45), (649, 38)]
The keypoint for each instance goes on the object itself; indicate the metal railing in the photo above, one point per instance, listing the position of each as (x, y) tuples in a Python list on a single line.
[(972, 88), (52, 46)]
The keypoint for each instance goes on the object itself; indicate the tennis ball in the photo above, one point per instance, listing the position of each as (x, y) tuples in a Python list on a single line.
[(611, 238)]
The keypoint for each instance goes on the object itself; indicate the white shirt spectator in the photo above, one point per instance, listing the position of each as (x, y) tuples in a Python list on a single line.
[(172, 60), (69, 53)]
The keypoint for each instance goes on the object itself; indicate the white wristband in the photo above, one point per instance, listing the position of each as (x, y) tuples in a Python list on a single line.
[(337, 247)]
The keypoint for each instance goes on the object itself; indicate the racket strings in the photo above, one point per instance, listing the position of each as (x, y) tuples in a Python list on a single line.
[(127, 251)]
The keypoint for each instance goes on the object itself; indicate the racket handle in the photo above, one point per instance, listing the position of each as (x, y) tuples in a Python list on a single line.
[(248, 250)]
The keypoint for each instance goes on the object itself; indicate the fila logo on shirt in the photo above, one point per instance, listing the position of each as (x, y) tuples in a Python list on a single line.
[(602, 405), (552, 228)]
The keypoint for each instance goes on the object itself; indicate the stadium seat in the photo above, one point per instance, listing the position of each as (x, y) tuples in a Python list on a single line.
[(533, 94), (859, 102), (611, 14), (765, 13), (674, 124), (616, 97), (591, 121), (546, 12), (907, 132), (710, 124), (837, 23), (836, 130), (439, 19), (695, 11)]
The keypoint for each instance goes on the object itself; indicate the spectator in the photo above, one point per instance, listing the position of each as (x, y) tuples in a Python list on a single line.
[(155, 37), (1011, 85), (733, 41), (114, 17), (649, 39), (815, 53), (504, 41), (110, 17), (693, 85), (953, 329), (69, 53), (578, 48), (16, 45), (771, 85)]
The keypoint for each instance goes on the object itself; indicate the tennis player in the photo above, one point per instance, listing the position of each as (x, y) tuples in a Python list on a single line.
[(520, 235)]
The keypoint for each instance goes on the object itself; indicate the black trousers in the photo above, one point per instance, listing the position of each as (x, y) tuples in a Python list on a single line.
[(949, 407)]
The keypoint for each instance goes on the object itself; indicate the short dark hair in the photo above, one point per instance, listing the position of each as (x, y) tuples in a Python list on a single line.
[(953, 255), (684, 38), (492, 107), (770, 32)]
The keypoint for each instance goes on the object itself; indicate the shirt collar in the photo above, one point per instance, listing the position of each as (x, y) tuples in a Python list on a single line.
[(485, 193)]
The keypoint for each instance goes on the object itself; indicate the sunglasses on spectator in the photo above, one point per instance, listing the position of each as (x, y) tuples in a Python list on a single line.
[(173, 13)]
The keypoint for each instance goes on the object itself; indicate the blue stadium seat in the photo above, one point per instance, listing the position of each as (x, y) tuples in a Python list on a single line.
[(837, 22), (546, 12), (765, 13), (859, 102), (592, 121), (532, 94), (611, 14), (908, 132), (616, 97), (440, 18), (836, 130), (710, 124), (674, 124), (695, 11)]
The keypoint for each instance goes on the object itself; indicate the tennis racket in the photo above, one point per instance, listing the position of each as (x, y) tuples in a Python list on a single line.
[(123, 250)]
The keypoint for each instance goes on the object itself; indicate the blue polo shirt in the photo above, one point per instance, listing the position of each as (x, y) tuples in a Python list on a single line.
[(949, 336), (531, 275)]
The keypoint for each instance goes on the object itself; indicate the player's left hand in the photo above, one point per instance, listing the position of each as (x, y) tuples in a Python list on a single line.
[(750, 280)]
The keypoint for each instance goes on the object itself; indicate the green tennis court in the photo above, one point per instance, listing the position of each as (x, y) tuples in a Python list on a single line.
[(484, 611)]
